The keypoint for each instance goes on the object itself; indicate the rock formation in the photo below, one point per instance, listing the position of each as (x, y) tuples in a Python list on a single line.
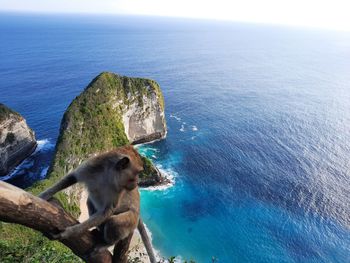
[(17, 140), (112, 111)]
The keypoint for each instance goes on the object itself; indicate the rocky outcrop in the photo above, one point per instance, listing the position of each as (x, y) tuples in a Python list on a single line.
[(112, 111), (17, 140), (152, 176)]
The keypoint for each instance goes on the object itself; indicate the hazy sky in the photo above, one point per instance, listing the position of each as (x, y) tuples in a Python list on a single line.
[(319, 13)]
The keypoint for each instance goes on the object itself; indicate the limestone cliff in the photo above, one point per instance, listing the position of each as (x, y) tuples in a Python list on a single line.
[(143, 114), (112, 111), (17, 140)]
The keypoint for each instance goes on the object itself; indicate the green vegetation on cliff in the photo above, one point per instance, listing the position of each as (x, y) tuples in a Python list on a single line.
[(5, 112), (91, 124)]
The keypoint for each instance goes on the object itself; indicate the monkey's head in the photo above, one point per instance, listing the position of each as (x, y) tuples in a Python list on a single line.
[(128, 167), (128, 173)]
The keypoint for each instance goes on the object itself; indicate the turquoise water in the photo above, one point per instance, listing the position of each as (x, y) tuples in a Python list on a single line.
[(258, 126), (247, 230)]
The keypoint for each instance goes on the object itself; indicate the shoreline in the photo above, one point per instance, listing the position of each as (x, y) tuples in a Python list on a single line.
[(41, 145), (169, 181)]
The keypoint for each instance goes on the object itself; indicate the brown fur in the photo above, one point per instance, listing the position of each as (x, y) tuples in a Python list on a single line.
[(114, 199)]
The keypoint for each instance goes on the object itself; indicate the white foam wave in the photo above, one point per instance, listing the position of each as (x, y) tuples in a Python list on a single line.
[(169, 174), (175, 117), (44, 145), (194, 128), (26, 164), (182, 128), (145, 143), (4, 178), (177, 259), (145, 148), (153, 149), (44, 172)]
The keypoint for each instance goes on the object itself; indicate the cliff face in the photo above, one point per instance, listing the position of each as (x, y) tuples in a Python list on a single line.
[(143, 115), (112, 111), (17, 140)]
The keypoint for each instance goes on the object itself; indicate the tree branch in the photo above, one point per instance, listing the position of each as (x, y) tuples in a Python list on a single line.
[(20, 207)]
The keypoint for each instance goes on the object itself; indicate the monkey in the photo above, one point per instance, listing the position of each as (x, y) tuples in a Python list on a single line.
[(111, 179)]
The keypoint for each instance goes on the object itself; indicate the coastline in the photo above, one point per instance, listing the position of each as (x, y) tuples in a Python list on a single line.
[(26, 162), (169, 181)]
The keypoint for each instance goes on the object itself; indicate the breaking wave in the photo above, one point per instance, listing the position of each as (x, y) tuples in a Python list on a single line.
[(34, 167), (175, 117), (169, 174)]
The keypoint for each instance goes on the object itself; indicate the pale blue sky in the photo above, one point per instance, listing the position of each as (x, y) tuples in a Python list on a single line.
[(333, 14)]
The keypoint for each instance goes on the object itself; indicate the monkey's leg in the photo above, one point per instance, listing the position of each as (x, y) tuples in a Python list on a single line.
[(65, 182), (91, 208), (95, 220), (119, 227), (120, 251)]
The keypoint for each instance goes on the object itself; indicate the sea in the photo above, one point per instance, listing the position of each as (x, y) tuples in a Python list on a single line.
[(258, 116)]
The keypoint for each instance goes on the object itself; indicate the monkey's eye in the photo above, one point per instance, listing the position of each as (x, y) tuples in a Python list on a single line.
[(122, 163)]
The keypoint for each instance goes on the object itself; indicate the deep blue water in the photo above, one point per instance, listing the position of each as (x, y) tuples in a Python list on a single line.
[(258, 118)]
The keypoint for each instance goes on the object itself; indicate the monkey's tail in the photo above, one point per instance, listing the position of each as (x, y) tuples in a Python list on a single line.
[(146, 241)]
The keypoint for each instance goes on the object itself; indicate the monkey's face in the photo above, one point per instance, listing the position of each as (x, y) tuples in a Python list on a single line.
[(128, 174)]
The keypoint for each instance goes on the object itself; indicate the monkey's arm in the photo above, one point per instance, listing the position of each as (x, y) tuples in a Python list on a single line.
[(95, 220), (65, 182)]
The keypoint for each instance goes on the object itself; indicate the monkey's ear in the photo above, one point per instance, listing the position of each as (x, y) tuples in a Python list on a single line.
[(122, 163)]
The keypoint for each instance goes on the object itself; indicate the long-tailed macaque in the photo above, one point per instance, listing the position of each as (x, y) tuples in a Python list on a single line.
[(113, 198)]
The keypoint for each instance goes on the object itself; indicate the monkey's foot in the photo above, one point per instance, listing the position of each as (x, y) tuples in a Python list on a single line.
[(52, 236)]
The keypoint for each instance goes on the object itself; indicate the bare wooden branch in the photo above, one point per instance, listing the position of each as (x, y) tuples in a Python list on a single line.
[(20, 207)]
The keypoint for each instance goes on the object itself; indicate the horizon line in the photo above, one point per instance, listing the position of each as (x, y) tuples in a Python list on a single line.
[(116, 14)]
